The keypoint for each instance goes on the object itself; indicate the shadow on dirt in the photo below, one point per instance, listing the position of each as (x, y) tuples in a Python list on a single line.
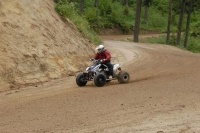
[(115, 82)]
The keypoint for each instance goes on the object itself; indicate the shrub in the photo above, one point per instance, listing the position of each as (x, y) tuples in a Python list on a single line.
[(69, 10), (194, 45)]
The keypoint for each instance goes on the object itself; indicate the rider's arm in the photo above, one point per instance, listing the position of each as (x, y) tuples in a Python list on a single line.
[(96, 56), (108, 56)]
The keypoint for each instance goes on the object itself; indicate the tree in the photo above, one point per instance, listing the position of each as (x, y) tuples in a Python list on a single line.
[(180, 22), (126, 9), (147, 4), (188, 22), (81, 6), (126, 2), (96, 3), (137, 20), (169, 22)]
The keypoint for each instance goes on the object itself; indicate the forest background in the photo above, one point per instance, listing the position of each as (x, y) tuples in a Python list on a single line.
[(180, 18)]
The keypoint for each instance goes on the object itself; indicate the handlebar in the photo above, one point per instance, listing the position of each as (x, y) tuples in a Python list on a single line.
[(95, 61)]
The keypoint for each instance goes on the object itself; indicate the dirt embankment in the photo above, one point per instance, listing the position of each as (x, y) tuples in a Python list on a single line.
[(36, 45)]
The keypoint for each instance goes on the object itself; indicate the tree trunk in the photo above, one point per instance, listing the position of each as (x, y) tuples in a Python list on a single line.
[(96, 3), (188, 23), (169, 22), (180, 22), (146, 13), (126, 2), (81, 6), (137, 20), (147, 4)]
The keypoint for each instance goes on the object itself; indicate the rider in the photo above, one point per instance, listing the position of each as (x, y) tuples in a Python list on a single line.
[(105, 57)]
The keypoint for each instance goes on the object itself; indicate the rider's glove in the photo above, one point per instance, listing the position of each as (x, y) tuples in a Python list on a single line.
[(102, 60)]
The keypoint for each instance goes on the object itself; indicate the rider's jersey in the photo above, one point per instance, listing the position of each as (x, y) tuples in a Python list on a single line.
[(104, 55)]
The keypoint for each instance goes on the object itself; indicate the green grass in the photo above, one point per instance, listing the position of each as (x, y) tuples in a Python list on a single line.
[(156, 21), (193, 43)]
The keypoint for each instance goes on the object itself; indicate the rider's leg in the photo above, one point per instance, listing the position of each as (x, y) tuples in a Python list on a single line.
[(110, 67)]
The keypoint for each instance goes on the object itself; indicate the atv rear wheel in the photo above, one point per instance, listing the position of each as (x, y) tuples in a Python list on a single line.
[(80, 80), (100, 80), (123, 77)]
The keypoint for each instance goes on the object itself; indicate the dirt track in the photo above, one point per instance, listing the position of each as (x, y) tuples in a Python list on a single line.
[(162, 97)]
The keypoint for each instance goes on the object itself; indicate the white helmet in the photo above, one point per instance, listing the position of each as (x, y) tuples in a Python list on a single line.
[(99, 49)]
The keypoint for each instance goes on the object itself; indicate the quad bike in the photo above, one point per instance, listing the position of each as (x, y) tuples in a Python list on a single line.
[(98, 73)]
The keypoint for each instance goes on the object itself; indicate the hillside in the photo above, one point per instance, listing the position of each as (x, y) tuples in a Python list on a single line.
[(36, 45)]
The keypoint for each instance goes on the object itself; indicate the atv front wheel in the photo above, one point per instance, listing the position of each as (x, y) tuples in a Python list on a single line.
[(80, 80), (123, 77), (100, 80)]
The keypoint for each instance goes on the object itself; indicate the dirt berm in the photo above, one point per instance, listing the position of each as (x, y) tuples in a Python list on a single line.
[(36, 45)]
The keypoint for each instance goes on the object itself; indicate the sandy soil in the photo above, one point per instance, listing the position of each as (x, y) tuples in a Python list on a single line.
[(36, 45), (162, 97)]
